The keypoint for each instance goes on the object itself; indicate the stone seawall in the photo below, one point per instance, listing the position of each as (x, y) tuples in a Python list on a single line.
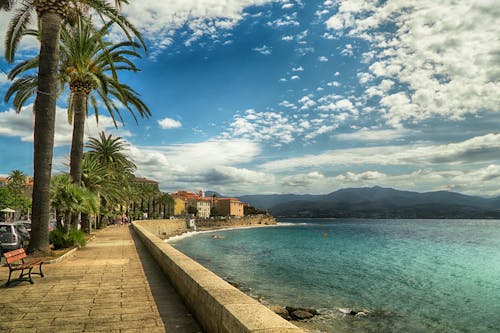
[(172, 227), (165, 228), (236, 222), (218, 306)]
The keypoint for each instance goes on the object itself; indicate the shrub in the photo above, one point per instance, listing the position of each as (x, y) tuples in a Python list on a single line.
[(61, 240)]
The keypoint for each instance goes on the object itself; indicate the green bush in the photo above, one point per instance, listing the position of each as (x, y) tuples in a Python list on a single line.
[(61, 240)]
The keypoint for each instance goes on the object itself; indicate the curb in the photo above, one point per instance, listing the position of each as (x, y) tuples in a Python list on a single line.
[(67, 254)]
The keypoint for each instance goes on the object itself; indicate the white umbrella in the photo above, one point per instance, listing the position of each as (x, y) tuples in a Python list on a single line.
[(8, 210)]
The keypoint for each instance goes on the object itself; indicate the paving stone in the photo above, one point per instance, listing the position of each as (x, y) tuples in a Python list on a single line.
[(101, 288)]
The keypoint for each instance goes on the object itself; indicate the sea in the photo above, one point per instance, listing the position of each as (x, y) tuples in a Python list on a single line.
[(403, 275)]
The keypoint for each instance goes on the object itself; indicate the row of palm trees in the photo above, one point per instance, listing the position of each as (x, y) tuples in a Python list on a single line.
[(73, 54)]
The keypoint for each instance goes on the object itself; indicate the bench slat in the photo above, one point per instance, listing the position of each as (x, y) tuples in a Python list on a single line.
[(16, 255)]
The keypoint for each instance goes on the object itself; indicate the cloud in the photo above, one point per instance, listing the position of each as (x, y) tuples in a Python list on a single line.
[(347, 51), (3, 79), (287, 20), (440, 58), (264, 50), (298, 69), (213, 163), (287, 104), (21, 125), (322, 59), (168, 123), (287, 38), (374, 135), (307, 102), (477, 150), (27, 44), (262, 126), (158, 20), (295, 77)]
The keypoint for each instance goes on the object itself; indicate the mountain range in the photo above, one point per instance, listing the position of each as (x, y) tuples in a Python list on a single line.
[(377, 202)]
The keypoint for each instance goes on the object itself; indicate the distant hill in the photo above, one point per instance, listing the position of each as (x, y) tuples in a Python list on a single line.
[(378, 202)]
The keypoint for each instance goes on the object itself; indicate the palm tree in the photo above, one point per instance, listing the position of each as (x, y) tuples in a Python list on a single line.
[(17, 181), (51, 15), (88, 66), (109, 153), (109, 190), (68, 198)]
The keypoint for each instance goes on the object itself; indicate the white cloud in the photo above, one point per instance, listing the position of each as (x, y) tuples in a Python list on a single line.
[(307, 103), (158, 20), (168, 123), (482, 149), (323, 59), (262, 126), (295, 77), (264, 50), (3, 79), (285, 21), (298, 69), (287, 104), (21, 125), (347, 51), (443, 52), (287, 38), (27, 43), (340, 105), (374, 135), (210, 164), (333, 84)]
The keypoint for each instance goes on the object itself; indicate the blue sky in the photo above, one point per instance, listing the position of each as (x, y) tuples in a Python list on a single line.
[(290, 96)]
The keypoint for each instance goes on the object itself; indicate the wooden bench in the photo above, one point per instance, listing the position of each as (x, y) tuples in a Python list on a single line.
[(15, 261)]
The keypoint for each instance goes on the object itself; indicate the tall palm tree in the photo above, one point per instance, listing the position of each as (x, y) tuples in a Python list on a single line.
[(109, 190), (110, 153), (89, 66), (51, 15)]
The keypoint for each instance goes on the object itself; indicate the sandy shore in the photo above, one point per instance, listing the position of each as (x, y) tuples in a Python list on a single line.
[(208, 230)]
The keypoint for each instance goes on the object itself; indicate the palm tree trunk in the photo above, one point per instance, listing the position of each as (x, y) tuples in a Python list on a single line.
[(45, 116), (79, 115), (76, 157)]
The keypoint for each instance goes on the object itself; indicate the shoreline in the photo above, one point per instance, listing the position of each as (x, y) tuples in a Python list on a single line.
[(207, 230), (262, 299)]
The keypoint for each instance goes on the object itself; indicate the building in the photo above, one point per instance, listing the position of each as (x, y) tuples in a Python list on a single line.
[(229, 207), (3, 181), (224, 206), (202, 205), (179, 206)]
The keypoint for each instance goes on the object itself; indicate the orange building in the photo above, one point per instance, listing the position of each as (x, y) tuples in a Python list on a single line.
[(229, 207)]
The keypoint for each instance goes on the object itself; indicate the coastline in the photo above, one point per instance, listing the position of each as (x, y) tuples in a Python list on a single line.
[(279, 309), (208, 230)]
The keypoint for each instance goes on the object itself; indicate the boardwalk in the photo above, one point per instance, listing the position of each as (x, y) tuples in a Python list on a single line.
[(112, 285)]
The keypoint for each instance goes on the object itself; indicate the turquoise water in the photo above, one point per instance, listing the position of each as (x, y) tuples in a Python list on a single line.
[(411, 275)]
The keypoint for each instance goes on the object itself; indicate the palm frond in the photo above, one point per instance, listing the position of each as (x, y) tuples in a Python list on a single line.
[(17, 28)]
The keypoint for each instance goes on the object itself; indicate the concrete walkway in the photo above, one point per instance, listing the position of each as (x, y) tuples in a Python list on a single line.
[(111, 285)]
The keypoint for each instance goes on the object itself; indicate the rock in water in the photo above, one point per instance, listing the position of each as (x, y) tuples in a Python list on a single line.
[(301, 315), (350, 312), (312, 311), (281, 311)]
